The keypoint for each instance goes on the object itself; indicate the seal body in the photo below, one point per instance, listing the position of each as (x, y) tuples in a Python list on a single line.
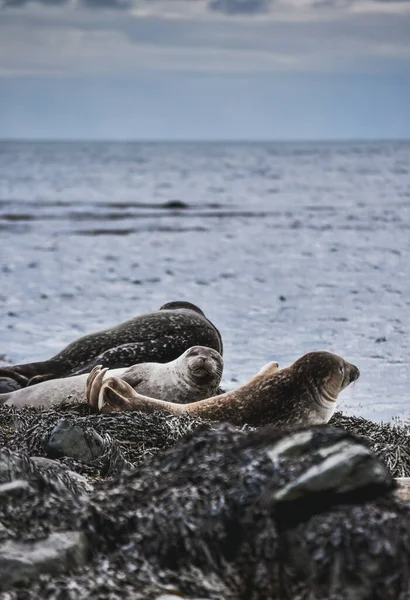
[(159, 336), (304, 393), (194, 375)]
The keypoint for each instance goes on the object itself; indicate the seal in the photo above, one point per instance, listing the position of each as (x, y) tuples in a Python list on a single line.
[(159, 336), (304, 393), (194, 375)]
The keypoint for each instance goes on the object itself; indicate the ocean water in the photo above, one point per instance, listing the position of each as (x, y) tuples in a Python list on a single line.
[(287, 247)]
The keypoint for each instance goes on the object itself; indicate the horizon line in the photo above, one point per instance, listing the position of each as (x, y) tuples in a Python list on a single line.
[(203, 140)]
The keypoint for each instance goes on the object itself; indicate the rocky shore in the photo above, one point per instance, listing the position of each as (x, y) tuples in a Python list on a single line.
[(152, 507)]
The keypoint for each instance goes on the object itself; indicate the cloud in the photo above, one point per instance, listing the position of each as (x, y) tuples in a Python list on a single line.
[(219, 9), (202, 37), (94, 4), (240, 7), (114, 4), (19, 3)]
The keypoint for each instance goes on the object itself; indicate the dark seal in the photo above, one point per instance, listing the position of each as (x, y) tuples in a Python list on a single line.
[(160, 336)]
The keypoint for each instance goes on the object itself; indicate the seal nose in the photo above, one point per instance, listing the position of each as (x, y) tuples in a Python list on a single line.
[(199, 362), (354, 373)]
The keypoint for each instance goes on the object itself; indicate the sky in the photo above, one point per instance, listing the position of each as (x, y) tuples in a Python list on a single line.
[(205, 69)]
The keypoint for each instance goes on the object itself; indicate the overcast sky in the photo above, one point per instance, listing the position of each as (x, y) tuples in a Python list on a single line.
[(205, 69)]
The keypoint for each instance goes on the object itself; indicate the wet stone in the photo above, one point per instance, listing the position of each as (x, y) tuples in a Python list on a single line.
[(47, 466), (11, 466), (291, 446), (403, 490), (188, 523), (68, 439), (176, 597), (18, 466), (14, 488), (21, 563), (345, 467)]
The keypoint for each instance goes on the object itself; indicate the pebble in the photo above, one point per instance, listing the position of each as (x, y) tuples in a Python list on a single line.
[(68, 439)]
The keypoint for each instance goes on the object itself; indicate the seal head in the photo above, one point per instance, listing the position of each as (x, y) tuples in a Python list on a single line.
[(204, 365), (324, 375)]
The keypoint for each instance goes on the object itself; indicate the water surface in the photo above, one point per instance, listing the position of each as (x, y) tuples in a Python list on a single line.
[(286, 247)]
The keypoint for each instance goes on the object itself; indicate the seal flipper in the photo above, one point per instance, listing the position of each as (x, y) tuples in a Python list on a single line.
[(10, 373), (40, 378), (111, 399), (106, 394), (23, 374), (93, 386)]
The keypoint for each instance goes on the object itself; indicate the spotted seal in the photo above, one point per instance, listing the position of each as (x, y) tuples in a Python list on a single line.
[(304, 393), (194, 375), (159, 336)]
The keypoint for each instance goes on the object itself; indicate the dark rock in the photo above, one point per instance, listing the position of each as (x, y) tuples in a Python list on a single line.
[(69, 439), (343, 468), (175, 204), (200, 505), (20, 563), (176, 597), (13, 489), (47, 473), (129, 438), (194, 521), (4, 532), (61, 476)]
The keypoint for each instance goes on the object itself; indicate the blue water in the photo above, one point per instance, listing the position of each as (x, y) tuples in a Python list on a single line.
[(286, 247)]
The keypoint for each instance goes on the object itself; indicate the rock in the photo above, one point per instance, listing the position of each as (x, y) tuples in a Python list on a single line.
[(18, 466), (199, 505), (178, 597), (292, 446), (345, 467), (12, 466), (21, 563), (4, 532), (61, 476), (403, 490), (14, 488), (69, 439), (192, 523)]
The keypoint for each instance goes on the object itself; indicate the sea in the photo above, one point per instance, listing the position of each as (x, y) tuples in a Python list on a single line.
[(287, 248)]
